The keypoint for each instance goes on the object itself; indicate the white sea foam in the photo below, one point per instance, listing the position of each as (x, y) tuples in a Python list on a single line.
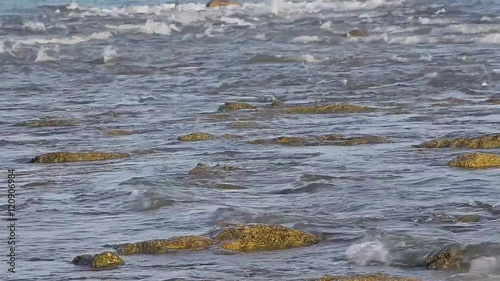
[(425, 57), (150, 27), (367, 252), (306, 39), (261, 36), (471, 28), (34, 26), (327, 25), (485, 265), (489, 39), (433, 21), (47, 53), (309, 58), (399, 59), (109, 54), (65, 40), (236, 21)]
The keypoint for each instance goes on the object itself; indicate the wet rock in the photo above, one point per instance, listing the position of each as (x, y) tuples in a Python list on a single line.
[(449, 258), (61, 157), (196, 137), (207, 171), (324, 109), (493, 101), (114, 133), (370, 277), (102, 260), (242, 238), (278, 103), (332, 137), (244, 125), (366, 139), (355, 33), (468, 218), (50, 122), (228, 186), (476, 160), (233, 106), (292, 141), (487, 141), (221, 3), (231, 136), (163, 246)]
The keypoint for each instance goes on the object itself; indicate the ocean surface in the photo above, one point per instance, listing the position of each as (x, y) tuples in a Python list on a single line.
[(430, 68)]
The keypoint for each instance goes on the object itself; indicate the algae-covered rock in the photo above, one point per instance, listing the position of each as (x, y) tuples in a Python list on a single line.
[(206, 170), (196, 137), (61, 157), (488, 141), (369, 277), (221, 3), (468, 218), (242, 238), (292, 141), (355, 33), (51, 122), (324, 109), (162, 246), (332, 137), (233, 106), (102, 260), (244, 125), (449, 258), (476, 160), (116, 132), (366, 139)]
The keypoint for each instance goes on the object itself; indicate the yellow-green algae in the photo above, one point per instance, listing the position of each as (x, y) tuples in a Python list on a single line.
[(61, 157), (116, 132), (221, 3), (447, 259), (198, 136), (233, 106), (102, 260), (468, 218), (369, 277), (162, 246), (487, 141), (476, 160), (242, 238), (51, 122), (324, 109)]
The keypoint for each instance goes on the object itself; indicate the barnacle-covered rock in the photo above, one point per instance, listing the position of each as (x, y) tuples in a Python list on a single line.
[(256, 237), (449, 258), (198, 136), (324, 109), (476, 160), (163, 246), (61, 157), (369, 277), (102, 260), (233, 106), (487, 141)]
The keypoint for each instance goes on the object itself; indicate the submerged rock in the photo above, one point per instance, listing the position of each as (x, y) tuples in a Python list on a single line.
[(245, 125), (449, 258), (205, 170), (233, 106), (332, 139), (51, 122), (292, 141), (221, 3), (324, 109), (370, 277), (102, 260), (366, 139), (476, 160), (355, 33), (61, 157), (468, 218), (114, 133), (196, 137), (163, 246), (488, 141), (231, 136), (242, 238)]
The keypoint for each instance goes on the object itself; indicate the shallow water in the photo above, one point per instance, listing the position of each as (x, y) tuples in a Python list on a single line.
[(429, 67)]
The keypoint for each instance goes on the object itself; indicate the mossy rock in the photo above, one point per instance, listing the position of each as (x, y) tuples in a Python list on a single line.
[(476, 160), (196, 137), (221, 3), (51, 122), (369, 277), (62, 157), (206, 170), (243, 238), (468, 218), (102, 260), (116, 132), (487, 141), (449, 258), (291, 141), (233, 106), (324, 109), (355, 33), (163, 246)]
